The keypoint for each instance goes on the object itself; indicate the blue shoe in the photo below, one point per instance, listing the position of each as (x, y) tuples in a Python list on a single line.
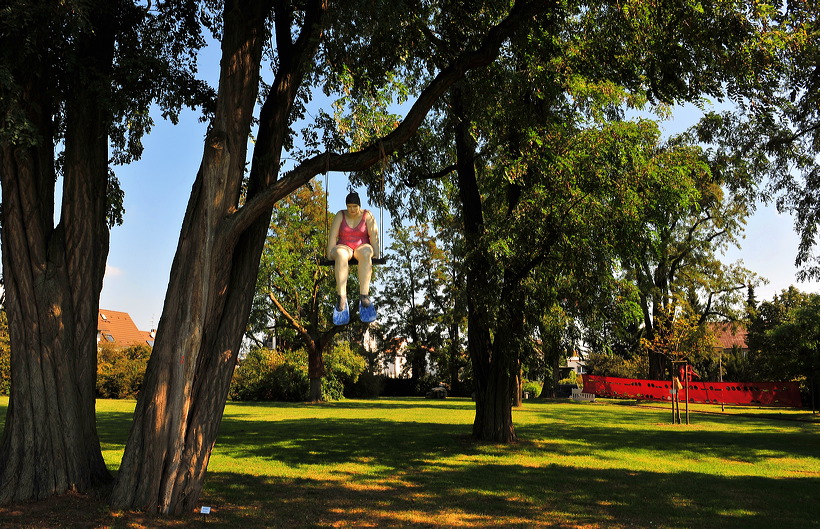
[(367, 314), (341, 317)]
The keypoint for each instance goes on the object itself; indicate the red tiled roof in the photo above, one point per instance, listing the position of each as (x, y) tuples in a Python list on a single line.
[(119, 329), (728, 335)]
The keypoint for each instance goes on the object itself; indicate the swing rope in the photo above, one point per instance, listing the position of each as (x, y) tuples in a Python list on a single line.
[(327, 192), (383, 158)]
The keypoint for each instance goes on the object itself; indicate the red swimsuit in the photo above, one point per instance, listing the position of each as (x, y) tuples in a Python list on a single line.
[(353, 237)]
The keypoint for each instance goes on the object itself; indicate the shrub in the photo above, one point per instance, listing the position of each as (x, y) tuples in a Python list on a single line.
[(120, 370), (267, 374), (398, 387), (532, 387), (288, 381), (571, 378), (615, 366), (426, 383), (343, 366), (368, 386)]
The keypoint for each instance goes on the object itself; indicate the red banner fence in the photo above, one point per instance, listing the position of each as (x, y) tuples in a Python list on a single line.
[(785, 394)]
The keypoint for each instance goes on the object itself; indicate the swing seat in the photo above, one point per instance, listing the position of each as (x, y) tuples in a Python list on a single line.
[(353, 261)]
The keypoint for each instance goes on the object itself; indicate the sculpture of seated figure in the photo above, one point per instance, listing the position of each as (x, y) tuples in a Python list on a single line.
[(353, 234)]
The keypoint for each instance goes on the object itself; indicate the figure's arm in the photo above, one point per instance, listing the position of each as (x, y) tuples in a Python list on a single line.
[(373, 233), (333, 237)]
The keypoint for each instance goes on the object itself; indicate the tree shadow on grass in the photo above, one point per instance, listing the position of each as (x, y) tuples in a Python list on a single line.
[(114, 426), (395, 444), (420, 474), (494, 495), (434, 475), (328, 441)]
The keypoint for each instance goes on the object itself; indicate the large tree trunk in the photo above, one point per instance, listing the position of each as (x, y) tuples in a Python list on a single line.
[(507, 344), (53, 277), (207, 302), (316, 352), (491, 369), (214, 272), (657, 366), (518, 387), (661, 328), (316, 369), (455, 354)]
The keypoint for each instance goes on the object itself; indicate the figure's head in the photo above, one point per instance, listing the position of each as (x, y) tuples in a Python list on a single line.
[(353, 202), (353, 198)]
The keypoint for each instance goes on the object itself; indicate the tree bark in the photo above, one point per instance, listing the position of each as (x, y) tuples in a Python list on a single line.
[(208, 299), (661, 326), (657, 366), (518, 387), (455, 354), (507, 344), (316, 368), (53, 277)]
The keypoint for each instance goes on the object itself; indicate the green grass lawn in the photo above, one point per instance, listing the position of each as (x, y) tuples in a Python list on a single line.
[(411, 463)]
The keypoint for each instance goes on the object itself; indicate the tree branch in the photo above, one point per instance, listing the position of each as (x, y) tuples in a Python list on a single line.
[(282, 25), (522, 11), (707, 309), (412, 180), (288, 316)]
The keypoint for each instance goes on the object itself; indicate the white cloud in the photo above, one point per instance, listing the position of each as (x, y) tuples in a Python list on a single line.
[(113, 271)]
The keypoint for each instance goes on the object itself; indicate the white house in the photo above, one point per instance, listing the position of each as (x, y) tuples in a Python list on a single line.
[(577, 364)]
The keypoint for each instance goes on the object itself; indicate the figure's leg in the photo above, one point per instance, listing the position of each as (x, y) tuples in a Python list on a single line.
[(341, 254), (364, 254)]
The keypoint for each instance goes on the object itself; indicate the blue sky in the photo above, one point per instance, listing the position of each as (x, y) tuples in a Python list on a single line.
[(158, 186)]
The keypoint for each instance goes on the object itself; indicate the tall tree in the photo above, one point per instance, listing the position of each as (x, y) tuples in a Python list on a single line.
[(670, 248), (447, 296), (554, 340), (794, 352), (775, 338), (215, 267), (293, 289), (567, 69), (76, 78), (773, 128), (416, 301)]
